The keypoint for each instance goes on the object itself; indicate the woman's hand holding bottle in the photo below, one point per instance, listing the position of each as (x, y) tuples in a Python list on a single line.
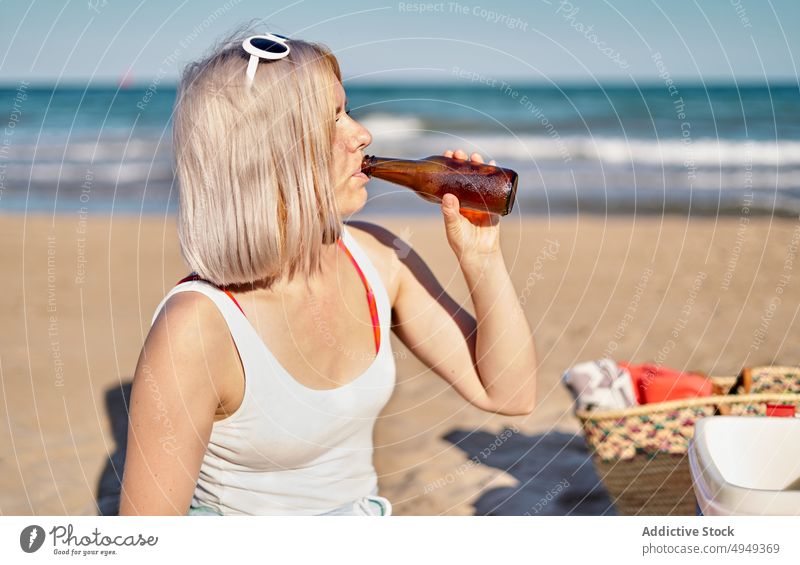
[(474, 236)]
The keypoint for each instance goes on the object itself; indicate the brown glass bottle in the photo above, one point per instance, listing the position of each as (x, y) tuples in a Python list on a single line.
[(487, 188)]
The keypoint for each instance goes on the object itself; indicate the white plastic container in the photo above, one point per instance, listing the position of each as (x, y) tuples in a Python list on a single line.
[(746, 466)]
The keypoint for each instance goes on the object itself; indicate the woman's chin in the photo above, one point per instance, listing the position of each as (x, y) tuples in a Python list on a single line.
[(354, 204)]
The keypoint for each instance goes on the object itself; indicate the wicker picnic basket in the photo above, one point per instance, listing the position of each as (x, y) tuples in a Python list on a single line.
[(640, 453)]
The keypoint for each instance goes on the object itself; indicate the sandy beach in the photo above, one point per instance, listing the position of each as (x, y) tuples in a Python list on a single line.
[(711, 294)]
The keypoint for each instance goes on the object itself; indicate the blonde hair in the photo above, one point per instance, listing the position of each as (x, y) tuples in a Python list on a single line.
[(254, 164)]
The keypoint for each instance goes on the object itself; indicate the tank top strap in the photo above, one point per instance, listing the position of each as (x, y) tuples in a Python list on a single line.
[(373, 307), (237, 322), (377, 296), (196, 277)]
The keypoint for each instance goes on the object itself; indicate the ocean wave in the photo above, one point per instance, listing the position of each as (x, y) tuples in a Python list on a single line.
[(699, 152), (408, 136), (392, 126), (638, 168), (670, 152), (107, 174), (97, 150)]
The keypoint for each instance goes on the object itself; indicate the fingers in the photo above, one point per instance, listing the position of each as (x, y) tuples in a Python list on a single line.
[(450, 201), (457, 154), (461, 154), (450, 206)]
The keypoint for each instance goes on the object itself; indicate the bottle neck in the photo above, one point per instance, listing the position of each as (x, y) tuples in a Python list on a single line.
[(370, 163)]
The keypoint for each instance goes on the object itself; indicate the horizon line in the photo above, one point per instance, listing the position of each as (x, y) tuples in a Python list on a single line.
[(6, 84)]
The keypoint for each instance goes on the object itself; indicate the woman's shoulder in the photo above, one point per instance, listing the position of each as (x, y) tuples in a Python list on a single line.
[(189, 315), (191, 327), (191, 340), (187, 309)]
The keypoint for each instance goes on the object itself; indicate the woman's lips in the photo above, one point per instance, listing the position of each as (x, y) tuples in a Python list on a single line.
[(360, 175)]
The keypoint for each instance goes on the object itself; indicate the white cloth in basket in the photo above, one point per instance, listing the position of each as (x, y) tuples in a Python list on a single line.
[(600, 385)]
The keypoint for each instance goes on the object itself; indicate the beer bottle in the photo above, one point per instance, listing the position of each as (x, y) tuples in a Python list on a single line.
[(487, 188)]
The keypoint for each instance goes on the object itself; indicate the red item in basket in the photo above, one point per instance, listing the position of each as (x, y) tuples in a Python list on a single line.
[(654, 383), (781, 410)]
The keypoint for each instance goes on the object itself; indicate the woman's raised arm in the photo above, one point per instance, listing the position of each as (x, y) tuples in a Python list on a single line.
[(174, 399), (490, 359)]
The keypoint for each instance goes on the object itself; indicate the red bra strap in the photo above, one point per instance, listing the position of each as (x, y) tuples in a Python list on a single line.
[(196, 277), (373, 307)]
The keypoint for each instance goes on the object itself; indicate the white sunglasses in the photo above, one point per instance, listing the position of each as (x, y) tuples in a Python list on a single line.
[(270, 46)]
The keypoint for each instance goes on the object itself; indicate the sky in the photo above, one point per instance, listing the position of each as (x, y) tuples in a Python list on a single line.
[(534, 41)]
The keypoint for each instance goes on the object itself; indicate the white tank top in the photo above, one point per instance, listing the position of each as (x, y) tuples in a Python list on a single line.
[(290, 449)]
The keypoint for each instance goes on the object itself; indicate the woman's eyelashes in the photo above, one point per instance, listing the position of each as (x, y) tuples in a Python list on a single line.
[(347, 112)]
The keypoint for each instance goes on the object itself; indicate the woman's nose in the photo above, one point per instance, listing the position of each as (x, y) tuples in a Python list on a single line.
[(362, 138)]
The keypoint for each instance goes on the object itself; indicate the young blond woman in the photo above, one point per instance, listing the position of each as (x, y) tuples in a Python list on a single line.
[(262, 375)]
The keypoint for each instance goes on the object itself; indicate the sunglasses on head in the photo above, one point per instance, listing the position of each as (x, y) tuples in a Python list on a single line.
[(270, 46)]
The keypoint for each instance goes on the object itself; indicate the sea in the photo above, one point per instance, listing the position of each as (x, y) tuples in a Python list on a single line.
[(721, 149)]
